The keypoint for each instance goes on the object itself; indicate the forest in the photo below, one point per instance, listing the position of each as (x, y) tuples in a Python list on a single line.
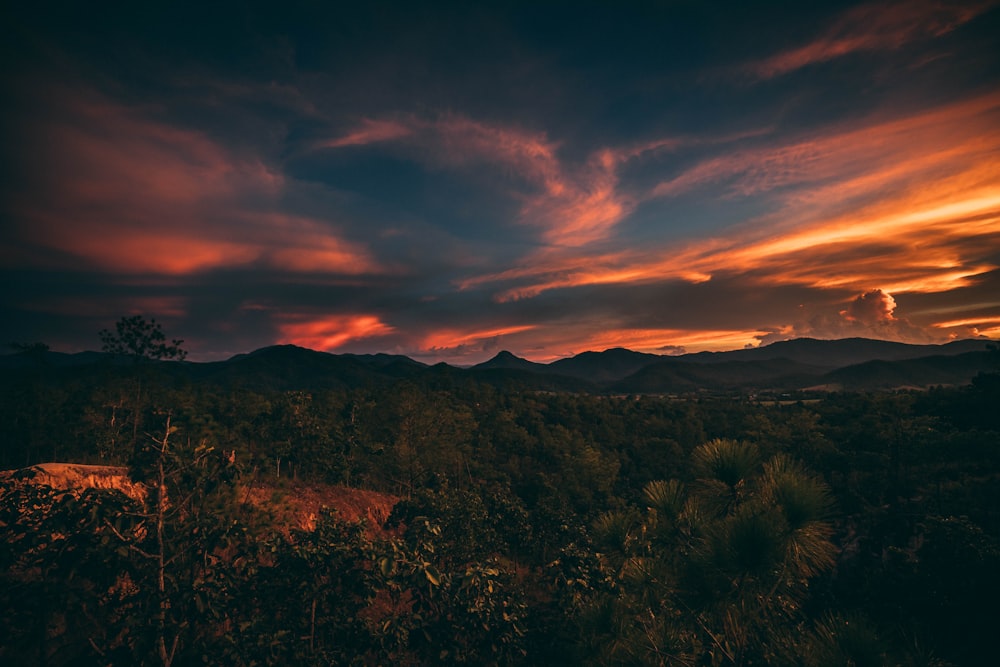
[(528, 527)]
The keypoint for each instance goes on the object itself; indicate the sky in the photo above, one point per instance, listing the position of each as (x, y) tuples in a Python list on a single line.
[(545, 178)]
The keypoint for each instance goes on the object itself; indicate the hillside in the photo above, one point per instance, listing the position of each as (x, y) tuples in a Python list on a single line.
[(920, 372), (831, 354), (602, 367), (674, 376)]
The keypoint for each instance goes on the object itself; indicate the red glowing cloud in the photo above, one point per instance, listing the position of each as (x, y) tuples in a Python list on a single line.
[(330, 332), (126, 194)]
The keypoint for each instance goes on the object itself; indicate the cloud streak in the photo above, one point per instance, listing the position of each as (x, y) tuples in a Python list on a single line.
[(329, 332), (910, 206), (877, 26)]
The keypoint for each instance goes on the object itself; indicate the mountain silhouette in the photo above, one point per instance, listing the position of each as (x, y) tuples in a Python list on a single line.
[(847, 364)]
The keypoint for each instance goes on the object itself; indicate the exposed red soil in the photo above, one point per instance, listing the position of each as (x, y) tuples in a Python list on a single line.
[(292, 504), (297, 504)]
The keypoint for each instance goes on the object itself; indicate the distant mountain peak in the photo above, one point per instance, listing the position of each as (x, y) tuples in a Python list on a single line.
[(506, 359)]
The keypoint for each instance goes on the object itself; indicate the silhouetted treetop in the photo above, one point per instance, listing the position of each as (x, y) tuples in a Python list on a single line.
[(140, 339)]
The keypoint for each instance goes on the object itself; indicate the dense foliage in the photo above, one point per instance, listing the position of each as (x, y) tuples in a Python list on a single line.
[(534, 528)]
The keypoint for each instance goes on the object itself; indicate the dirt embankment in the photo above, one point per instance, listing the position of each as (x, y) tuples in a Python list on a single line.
[(293, 505), (297, 505), (76, 477)]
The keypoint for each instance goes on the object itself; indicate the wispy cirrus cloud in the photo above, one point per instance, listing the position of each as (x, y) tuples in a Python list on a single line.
[(853, 160), (908, 205), (456, 343), (369, 131), (571, 204), (877, 26)]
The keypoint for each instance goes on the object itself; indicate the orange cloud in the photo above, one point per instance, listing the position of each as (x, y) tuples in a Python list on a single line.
[(922, 251), (909, 249), (330, 332), (573, 206), (124, 193), (981, 325), (299, 244), (370, 131), (874, 307), (548, 343), (584, 210), (876, 26), (989, 332), (848, 162), (873, 313), (133, 251), (971, 322), (656, 340), (450, 339), (910, 204), (460, 140), (270, 240)]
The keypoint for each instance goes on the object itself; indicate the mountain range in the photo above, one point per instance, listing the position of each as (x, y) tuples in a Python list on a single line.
[(803, 363)]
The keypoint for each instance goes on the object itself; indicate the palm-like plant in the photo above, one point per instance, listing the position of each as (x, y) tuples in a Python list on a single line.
[(805, 504), (838, 640), (665, 503), (715, 570), (723, 468), (728, 461), (755, 534), (616, 530)]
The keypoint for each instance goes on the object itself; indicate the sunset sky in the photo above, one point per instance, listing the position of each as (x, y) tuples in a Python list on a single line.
[(544, 178)]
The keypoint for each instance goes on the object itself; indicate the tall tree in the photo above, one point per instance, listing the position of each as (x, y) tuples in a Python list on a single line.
[(142, 341)]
